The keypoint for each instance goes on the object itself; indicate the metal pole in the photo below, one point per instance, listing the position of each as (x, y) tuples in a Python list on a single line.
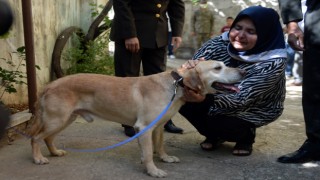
[(30, 58)]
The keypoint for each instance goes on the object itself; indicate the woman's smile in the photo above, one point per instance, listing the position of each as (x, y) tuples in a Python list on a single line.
[(243, 35)]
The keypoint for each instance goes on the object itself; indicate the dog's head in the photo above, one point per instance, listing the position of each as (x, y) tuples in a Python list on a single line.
[(213, 76)]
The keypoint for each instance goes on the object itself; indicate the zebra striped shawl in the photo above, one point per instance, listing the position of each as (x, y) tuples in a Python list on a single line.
[(262, 92)]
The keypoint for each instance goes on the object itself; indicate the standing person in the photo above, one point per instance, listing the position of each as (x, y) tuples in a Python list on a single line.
[(229, 22), (140, 30), (256, 44), (308, 42), (202, 23)]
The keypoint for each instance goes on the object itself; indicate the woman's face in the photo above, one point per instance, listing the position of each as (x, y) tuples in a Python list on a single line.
[(243, 36)]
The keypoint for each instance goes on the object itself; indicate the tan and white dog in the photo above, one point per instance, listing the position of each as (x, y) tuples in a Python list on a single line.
[(134, 101)]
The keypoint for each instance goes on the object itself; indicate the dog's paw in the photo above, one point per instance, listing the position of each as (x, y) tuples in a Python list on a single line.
[(157, 173), (170, 159), (59, 152), (41, 161)]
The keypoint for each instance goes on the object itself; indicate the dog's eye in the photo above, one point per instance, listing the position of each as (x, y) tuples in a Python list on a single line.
[(217, 68)]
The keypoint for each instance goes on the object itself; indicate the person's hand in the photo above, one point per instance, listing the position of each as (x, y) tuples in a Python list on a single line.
[(192, 96), (176, 42), (295, 36), (191, 63), (132, 44)]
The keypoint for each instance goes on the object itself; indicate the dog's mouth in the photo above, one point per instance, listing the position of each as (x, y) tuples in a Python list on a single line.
[(225, 88)]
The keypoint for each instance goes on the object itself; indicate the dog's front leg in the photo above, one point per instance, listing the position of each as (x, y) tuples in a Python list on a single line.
[(145, 142), (159, 146)]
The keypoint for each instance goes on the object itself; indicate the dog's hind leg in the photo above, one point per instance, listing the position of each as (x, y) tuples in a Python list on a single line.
[(159, 146), (145, 142), (49, 140), (52, 126)]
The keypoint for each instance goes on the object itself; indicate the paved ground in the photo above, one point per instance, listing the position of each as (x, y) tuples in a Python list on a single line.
[(283, 136)]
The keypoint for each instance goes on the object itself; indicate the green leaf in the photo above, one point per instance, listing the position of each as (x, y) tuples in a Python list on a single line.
[(21, 49)]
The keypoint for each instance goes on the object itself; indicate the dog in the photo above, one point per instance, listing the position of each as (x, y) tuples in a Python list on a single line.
[(134, 101)]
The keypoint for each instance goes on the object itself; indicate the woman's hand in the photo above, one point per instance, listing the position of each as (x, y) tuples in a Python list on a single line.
[(191, 63), (189, 94), (192, 96)]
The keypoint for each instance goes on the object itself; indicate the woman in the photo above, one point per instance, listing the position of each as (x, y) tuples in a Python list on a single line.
[(255, 43)]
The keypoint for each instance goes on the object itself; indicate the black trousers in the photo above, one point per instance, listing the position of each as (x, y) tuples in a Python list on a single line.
[(128, 64), (311, 76), (223, 127)]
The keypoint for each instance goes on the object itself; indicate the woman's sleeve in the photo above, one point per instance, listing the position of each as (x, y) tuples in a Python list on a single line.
[(259, 83)]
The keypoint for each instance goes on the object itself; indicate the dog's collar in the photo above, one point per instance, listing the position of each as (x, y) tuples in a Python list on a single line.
[(178, 79)]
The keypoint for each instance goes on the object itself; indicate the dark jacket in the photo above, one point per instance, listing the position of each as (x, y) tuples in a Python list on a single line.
[(291, 11), (147, 20)]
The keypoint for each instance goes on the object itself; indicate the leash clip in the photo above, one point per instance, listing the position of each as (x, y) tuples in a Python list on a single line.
[(176, 84)]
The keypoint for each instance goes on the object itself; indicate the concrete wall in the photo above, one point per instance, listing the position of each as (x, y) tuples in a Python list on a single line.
[(50, 18)]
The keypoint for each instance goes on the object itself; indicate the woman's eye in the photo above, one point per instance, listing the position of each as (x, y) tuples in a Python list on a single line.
[(252, 32)]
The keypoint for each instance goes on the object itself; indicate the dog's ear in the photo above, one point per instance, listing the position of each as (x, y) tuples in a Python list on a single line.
[(192, 80)]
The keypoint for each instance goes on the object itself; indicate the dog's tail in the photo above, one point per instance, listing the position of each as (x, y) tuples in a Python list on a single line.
[(36, 123)]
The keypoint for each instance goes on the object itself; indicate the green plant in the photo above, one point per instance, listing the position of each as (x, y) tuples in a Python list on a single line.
[(8, 77), (195, 1), (95, 12), (92, 57)]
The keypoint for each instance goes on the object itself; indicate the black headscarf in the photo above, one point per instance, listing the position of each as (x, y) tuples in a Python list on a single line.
[(268, 29)]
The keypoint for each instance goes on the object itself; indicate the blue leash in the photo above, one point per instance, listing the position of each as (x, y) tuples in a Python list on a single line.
[(136, 135)]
